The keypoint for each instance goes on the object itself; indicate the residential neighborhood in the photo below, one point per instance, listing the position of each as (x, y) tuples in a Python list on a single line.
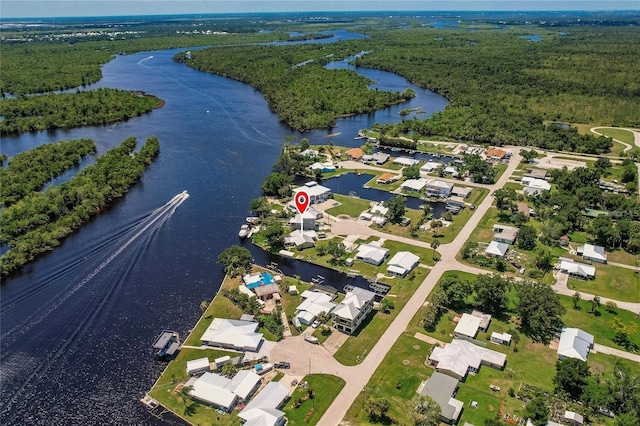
[(488, 232)]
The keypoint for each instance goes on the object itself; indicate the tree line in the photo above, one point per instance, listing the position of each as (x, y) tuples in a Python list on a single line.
[(506, 90), (39, 221), (29, 171), (305, 96), (67, 110)]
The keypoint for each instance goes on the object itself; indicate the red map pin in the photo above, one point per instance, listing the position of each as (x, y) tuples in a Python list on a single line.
[(302, 201)]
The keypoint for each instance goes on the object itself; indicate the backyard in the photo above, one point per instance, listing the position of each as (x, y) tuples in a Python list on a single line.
[(325, 388)]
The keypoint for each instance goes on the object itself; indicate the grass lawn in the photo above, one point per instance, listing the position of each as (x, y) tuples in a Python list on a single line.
[(365, 338), (164, 391), (513, 185), (291, 302), (612, 282), (425, 254), (599, 326), (221, 307), (325, 387), (404, 366), (620, 134), (621, 256), (349, 205), (383, 186)]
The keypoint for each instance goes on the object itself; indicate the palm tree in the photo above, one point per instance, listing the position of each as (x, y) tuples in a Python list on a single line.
[(434, 246), (595, 303)]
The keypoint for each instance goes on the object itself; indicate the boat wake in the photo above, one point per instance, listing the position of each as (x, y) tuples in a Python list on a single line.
[(66, 303)]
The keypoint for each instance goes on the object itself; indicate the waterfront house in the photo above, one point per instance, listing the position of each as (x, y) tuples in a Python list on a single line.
[(414, 185), (467, 326), (593, 253), (379, 158), (317, 193), (309, 152), (452, 171), (269, 291), (221, 392), (574, 343), (232, 334), (301, 239), (439, 188), (354, 154), (401, 263), (496, 249), (264, 408), (505, 234), (442, 389), (323, 167), (430, 166), (371, 253), (405, 161), (460, 357), (350, 313), (387, 178), (461, 192), (313, 303), (306, 219)]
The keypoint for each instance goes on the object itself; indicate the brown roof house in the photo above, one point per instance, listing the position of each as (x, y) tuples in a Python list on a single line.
[(354, 153)]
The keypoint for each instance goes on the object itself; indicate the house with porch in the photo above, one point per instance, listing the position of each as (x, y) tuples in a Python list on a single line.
[(355, 307)]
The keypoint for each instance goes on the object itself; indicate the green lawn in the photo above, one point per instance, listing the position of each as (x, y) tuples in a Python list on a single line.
[(425, 254), (350, 206), (325, 387), (397, 378), (612, 282), (620, 134), (513, 185), (175, 373), (598, 326), (365, 338), (390, 187)]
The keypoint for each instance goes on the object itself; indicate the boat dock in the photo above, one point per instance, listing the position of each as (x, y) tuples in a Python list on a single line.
[(154, 407), (167, 344)]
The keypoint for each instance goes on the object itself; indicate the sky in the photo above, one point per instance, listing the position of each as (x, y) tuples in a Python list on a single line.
[(68, 8)]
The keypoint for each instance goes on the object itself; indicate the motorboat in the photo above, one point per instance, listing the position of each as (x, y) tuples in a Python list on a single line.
[(244, 231), (311, 339)]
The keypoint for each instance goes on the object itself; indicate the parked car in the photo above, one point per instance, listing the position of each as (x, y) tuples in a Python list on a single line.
[(315, 324), (282, 364)]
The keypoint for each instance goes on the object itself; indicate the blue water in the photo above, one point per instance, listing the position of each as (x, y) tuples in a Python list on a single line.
[(353, 184), (78, 324)]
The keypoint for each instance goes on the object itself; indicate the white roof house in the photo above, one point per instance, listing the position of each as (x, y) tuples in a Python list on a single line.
[(349, 314), (416, 185), (372, 254), (450, 170), (573, 417), (441, 389), (574, 343), (577, 270), (430, 166), (460, 356), (233, 334), (197, 366), (536, 183), (317, 193), (501, 338), (301, 239), (594, 253), (323, 167), (313, 304), (406, 161), (263, 409), (439, 187), (222, 392), (467, 326), (379, 209), (496, 249), (402, 262)]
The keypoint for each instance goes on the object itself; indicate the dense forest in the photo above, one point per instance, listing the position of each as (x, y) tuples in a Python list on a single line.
[(504, 89), (29, 171), (66, 110), (294, 81), (40, 220)]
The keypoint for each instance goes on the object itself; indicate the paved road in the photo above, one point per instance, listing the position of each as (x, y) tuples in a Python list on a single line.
[(615, 352), (364, 371)]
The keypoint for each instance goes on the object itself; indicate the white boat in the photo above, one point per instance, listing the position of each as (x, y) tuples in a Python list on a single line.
[(311, 339), (252, 220), (244, 231)]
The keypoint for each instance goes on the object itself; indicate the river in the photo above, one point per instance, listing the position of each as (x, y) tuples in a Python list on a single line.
[(77, 324)]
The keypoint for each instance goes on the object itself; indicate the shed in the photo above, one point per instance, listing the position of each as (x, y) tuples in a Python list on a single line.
[(501, 338), (293, 290), (197, 366)]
